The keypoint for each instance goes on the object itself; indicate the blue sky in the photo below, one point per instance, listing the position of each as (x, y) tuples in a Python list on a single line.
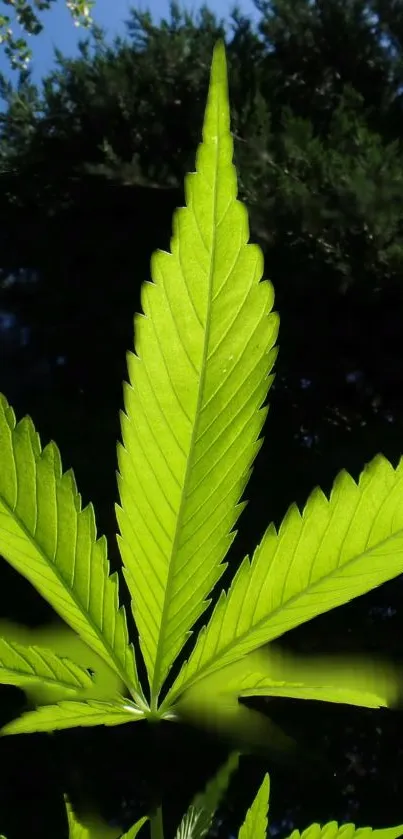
[(60, 31)]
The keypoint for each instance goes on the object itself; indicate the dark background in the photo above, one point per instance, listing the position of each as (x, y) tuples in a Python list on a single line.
[(91, 170)]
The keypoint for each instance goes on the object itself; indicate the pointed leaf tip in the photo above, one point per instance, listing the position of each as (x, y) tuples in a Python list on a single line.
[(197, 820), (217, 121), (219, 63), (193, 405), (255, 824)]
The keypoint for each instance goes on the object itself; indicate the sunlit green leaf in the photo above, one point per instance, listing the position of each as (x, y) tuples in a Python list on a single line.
[(22, 666), (46, 536), (198, 819), (94, 827), (193, 408), (255, 824), (105, 684), (336, 550), (73, 714), (367, 682), (134, 829), (332, 830)]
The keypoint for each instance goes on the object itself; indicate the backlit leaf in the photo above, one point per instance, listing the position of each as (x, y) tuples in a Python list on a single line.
[(336, 550), (198, 819), (199, 377), (364, 681), (255, 824), (73, 714), (21, 666), (332, 830), (46, 536)]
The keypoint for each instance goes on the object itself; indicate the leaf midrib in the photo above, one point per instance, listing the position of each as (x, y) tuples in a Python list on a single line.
[(44, 680), (157, 682)]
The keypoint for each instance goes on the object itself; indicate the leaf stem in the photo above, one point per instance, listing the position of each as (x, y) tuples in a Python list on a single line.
[(157, 828)]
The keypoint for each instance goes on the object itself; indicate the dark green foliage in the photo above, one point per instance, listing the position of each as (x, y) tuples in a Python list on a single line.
[(316, 107)]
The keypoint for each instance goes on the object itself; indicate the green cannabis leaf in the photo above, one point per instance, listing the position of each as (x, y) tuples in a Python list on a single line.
[(198, 819), (62, 640), (336, 550), (271, 671), (46, 536), (95, 828), (255, 824), (332, 830), (195, 406), (72, 714), (135, 829), (21, 665), (193, 415), (77, 830)]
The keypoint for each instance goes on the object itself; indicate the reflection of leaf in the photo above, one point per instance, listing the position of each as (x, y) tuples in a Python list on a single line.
[(198, 819), (354, 681), (255, 824), (365, 682), (246, 728)]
